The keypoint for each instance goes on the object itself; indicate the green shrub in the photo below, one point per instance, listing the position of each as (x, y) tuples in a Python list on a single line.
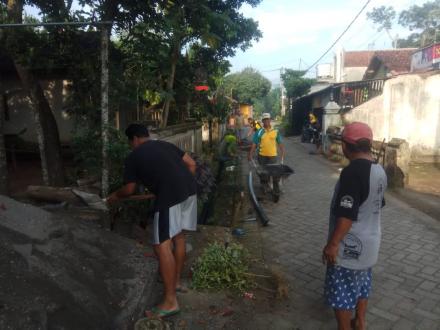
[(286, 126), (221, 267), (87, 147)]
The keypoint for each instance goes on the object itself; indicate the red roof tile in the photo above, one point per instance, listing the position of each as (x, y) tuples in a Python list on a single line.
[(397, 60), (358, 58)]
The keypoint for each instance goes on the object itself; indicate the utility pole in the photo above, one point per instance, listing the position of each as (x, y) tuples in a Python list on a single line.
[(3, 161), (283, 105), (104, 110)]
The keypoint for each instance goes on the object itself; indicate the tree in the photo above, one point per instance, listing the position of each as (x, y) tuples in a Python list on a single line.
[(215, 24), (174, 26), (275, 101), (246, 86), (295, 83), (424, 20), (384, 17), (270, 103), (17, 47)]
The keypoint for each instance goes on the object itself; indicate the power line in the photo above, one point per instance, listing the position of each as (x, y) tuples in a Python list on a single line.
[(285, 64), (339, 38), (275, 66), (13, 25), (372, 39), (277, 69)]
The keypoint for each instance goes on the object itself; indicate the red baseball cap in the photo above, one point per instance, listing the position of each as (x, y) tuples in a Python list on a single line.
[(356, 131)]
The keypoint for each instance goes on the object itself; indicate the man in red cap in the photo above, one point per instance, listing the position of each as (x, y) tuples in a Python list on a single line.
[(354, 231)]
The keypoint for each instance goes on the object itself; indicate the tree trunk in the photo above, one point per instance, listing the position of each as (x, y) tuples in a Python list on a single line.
[(52, 194), (46, 125), (170, 83), (3, 161)]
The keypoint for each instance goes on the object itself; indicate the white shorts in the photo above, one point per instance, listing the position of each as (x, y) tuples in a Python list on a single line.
[(170, 222)]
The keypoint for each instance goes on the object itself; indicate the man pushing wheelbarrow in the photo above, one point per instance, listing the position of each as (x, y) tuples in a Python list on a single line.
[(266, 142)]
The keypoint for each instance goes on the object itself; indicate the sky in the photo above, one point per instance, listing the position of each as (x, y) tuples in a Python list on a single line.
[(297, 32)]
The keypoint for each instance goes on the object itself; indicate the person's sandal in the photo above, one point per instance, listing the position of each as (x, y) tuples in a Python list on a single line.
[(161, 313), (182, 289)]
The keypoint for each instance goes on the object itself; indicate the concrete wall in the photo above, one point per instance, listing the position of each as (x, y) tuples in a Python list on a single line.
[(21, 114), (409, 109), (353, 73)]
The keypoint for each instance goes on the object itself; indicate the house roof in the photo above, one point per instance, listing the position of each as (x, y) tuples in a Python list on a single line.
[(315, 89), (358, 58), (396, 61)]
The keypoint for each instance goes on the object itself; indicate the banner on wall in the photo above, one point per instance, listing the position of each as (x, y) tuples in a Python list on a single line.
[(426, 58)]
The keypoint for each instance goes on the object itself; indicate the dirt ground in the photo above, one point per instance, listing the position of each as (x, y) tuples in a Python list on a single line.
[(425, 178), (226, 310), (423, 190)]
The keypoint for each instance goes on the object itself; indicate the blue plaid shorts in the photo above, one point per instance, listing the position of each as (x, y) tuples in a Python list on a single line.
[(344, 287)]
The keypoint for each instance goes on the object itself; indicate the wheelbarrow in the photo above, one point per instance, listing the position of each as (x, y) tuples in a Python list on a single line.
[(275, 173)]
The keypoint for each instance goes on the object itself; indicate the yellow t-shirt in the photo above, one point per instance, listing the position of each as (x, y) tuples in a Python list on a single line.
[(267, 141)]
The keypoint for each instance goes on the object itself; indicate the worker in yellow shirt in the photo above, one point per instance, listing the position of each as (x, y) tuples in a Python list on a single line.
[(312, 119), (254, 126), (266, 141)]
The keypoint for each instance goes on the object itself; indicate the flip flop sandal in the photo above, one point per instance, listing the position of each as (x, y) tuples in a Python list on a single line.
[(182, 289), (161, 313)]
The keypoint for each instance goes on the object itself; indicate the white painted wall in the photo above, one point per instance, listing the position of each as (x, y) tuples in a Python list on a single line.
[(408, 109), (354, 73), (21, 114)]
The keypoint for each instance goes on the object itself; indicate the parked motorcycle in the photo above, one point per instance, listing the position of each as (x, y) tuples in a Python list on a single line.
[(310, 134)]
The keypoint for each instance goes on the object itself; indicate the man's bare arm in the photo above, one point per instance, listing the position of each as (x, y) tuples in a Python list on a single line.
[(283, 150), (123, 192), (330, 252), (190, 163)]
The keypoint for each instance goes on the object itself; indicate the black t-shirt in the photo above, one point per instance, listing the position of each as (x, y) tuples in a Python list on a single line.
[(159, 166)]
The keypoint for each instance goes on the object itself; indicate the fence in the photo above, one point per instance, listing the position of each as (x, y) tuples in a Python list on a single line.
[(186, 136), (188, 141), (191, 136), (355, 93)]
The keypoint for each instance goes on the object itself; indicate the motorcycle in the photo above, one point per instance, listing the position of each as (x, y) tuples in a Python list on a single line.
[(310, 134)]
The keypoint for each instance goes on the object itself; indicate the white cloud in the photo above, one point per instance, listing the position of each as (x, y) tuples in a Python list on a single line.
[(283, 29)]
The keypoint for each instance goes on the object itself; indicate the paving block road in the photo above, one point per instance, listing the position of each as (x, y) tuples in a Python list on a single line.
[(406, 280)]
